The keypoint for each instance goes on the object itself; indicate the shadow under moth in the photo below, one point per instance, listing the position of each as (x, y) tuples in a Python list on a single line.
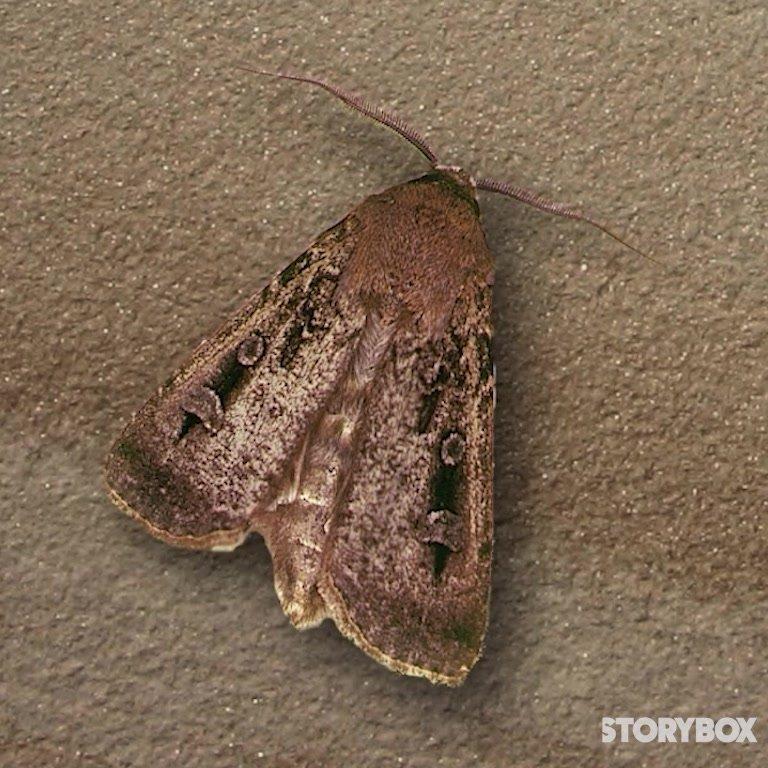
[(345, 413)]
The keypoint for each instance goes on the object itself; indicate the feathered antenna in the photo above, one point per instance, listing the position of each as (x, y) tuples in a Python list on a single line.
[(529, 197), (361, 105)]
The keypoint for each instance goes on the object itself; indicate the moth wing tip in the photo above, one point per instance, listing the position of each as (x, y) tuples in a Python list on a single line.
[(216, 541), (338, 613)]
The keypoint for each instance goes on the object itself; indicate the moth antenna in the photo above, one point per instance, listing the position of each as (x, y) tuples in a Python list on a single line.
[(361, 105), (529, 197)]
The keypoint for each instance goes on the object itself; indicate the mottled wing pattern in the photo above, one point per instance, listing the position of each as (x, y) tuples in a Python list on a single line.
[(407, 565), (210, 448)]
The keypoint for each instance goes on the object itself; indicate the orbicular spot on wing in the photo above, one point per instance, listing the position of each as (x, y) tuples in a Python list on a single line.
[(251, 350), (206, 404), (452, 449)]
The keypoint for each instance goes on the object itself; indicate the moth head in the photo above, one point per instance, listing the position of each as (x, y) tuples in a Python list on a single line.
[(458, 175), (397, 124)]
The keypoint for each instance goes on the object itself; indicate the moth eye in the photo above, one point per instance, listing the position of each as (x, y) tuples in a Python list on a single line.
[(452, 449), (201, 405), (251, 350)]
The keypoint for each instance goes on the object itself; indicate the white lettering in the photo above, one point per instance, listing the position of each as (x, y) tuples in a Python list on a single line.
[(645, 722), (685, 727), (705, 729), (731, 734), (609, 732), (746, 730), (624, 722), (665, 730)]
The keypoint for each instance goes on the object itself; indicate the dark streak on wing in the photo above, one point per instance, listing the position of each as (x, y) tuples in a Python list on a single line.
[(447, 482)]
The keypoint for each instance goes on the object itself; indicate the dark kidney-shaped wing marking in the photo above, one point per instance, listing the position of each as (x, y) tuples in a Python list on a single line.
[(408, 560), (209, 450)]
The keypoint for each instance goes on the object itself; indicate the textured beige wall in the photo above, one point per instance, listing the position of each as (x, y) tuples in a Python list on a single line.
[(148, 187)]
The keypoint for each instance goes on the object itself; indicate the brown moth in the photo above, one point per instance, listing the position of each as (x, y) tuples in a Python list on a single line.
[(345, 413)]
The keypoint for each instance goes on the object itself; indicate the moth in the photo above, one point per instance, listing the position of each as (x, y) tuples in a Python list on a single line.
[(345, 413)]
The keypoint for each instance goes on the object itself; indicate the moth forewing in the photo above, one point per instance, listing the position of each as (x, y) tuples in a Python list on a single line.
[(211, 447), (408, 576)]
